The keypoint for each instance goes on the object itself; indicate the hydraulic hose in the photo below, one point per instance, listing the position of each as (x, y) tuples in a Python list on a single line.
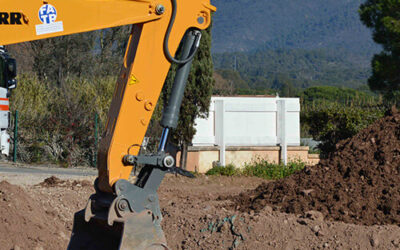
[(166, 39)]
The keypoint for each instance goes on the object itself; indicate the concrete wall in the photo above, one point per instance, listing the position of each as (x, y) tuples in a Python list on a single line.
[(248, 121), (239, 130), (200, 159)]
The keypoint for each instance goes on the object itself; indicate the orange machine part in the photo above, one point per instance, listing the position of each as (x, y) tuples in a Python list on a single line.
[(144, 69), (75, 15), (139, 85)]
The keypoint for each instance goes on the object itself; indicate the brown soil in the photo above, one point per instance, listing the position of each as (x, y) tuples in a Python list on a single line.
[(194, 218), (359, 183), (53, 181), (24, 223)]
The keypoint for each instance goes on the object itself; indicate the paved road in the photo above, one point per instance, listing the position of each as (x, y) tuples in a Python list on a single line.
[(8, 168), (30, 175)]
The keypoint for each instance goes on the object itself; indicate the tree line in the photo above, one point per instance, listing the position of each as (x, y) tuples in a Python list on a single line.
[(292, 68)]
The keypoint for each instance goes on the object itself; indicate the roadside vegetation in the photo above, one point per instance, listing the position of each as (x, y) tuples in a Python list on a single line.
[(56, 124), (258, 168)]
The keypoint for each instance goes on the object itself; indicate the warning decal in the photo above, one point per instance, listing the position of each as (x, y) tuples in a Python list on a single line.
[(48, 16), (133, 80)]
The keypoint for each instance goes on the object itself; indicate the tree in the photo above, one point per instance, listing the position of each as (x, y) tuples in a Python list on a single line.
[(58, 58), (222, 86), (332, 122), (110, 50), (335, 94), (197, 96), (382, 16), (287, 90)]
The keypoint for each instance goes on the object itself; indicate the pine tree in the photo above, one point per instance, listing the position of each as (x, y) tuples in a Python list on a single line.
[(382, 16)]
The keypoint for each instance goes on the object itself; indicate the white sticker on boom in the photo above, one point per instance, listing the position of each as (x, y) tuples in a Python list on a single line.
[(48, 16)]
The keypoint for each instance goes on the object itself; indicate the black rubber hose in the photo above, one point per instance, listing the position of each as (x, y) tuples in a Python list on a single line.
[(166, 39)]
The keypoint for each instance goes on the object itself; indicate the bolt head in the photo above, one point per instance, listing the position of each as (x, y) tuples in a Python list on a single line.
[(200, 20), (143, 122), (169, 161), (130, 159), (139, 96), (122, 205), (148, 106), (160, 9)]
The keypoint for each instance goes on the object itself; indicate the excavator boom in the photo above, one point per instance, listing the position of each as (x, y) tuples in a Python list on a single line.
[(158, 26)]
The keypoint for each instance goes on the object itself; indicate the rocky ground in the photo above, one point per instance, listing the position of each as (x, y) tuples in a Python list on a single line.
[(196, 216)]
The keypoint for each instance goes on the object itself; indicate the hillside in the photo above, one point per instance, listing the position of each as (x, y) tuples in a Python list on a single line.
[(243, 25), (300, 68)]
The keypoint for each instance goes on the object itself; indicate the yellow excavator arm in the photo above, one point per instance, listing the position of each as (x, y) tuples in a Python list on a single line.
[(158, 26), (145, 65)]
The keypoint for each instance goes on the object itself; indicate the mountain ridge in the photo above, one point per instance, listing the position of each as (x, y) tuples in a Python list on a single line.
[(244, 25)]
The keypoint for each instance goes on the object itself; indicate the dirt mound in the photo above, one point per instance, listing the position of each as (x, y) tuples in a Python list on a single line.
[(51, 182), (25, 224), (57, 182), (359, 183)]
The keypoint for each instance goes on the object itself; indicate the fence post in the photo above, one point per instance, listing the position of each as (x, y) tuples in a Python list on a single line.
[(282, 128), (220, 129), (15, 136), (96, 138)]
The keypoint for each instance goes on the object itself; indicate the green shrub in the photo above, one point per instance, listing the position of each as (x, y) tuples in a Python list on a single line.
[(228, 170), (331, 122), (258, 168), (263, 169)]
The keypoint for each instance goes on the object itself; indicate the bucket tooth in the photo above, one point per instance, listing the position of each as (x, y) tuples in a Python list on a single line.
[(141, 233)]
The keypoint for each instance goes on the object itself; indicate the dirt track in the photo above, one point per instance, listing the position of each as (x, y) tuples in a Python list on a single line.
[(195, 217)]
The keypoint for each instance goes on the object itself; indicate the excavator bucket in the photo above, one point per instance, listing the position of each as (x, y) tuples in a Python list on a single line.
[(129, 219), (137, 232)]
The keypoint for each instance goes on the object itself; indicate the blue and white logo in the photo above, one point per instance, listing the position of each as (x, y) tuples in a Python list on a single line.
[(47, 14)]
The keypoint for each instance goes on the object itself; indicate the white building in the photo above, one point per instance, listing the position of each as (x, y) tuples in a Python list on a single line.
[(241, 128)]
